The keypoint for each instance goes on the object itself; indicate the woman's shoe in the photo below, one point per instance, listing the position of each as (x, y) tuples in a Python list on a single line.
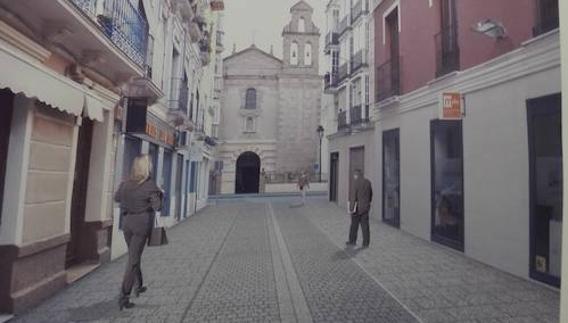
[(125, 303), (140, 290)]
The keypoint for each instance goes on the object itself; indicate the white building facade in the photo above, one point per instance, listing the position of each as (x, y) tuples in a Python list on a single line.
[(87, 86)]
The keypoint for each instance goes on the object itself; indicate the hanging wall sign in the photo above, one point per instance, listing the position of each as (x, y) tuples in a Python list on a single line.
[(451, 106)]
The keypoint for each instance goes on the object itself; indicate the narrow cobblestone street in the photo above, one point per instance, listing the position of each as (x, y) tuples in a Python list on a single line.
[(267, 260)]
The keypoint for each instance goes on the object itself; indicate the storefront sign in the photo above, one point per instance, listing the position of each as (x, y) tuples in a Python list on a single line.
[(163, 135), (451, 106)]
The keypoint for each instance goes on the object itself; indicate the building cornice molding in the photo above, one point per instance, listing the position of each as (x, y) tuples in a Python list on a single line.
[(23, 43)]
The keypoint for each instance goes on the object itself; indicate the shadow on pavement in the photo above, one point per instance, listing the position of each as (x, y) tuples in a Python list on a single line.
[(345, 254), (97, 311)]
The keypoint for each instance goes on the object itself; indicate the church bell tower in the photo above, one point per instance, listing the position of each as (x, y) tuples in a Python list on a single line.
[(301, 41)]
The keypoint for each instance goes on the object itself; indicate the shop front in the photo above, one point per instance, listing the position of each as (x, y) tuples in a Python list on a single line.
[(146, 133)]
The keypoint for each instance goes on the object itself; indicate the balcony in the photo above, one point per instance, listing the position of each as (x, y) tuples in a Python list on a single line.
[(344, 25), (179, 100), (343, 72), (219, 41), (547, 17), (205, 49), (122, 23), (358, 10), (388, 79), (358, 61), (342, 121), (331, 39), (218, 88), (447, 51), (359, 114)]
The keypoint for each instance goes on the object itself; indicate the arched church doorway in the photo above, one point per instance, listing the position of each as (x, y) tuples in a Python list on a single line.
[(248, 172)]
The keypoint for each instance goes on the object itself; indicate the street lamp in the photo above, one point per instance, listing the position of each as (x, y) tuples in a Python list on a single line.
[(320, 131)]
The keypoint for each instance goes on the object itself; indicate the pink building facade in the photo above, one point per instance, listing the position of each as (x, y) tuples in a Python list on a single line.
[(487, 182)]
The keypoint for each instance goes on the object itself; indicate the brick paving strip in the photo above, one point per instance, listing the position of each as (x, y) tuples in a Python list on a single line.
[(293, 307), (240, 286), (335, 288), (436, 283)]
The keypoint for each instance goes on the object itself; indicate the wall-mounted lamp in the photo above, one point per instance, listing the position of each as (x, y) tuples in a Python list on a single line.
[(490, 28)]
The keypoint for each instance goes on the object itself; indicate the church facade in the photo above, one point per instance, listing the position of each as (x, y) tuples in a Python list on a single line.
[(271, 108)]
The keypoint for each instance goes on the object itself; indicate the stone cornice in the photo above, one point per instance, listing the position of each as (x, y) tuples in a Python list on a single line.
[(23, 43)]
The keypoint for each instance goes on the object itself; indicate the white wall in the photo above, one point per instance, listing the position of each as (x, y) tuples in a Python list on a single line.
[(496, 166), (496, 158)]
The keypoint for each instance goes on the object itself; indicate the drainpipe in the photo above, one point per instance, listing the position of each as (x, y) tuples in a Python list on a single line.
[(563, 12)]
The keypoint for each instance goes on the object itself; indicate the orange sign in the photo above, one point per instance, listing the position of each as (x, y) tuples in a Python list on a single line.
[(451, 107)]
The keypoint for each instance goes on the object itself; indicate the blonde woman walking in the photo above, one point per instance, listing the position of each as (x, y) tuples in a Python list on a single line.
[(139, 199)]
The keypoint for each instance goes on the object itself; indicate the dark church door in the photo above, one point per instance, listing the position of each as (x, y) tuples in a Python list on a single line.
[(248, 172)]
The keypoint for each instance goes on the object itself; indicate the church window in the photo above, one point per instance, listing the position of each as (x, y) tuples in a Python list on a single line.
[(308, 54), (302, 25), (250, 99), (294, 54), (249, 124)]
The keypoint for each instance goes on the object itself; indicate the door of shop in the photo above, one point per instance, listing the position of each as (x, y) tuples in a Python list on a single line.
[(447, 183), (6, 110), (79, 198), (391, 177), (356, 162), (167, 181), (333, 174), (178, 189), (545, 160)]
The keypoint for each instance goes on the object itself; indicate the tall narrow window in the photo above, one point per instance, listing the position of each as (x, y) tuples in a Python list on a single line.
[(249, 124), (250, 99), (150, 56), (546, 16), (302, 25), (294, 54), (335, 19), (308, 54)]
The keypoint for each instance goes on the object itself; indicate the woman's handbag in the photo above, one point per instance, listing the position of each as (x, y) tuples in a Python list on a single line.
[(158, 235)]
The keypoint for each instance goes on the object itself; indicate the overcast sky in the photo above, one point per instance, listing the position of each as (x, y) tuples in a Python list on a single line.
[(263, 20)]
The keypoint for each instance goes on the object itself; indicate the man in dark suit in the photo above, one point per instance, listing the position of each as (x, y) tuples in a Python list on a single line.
[(361, 204)]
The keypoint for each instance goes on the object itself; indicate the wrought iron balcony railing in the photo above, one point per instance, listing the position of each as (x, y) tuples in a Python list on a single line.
[(388, 79), (179, 95), (447, 51), (342, 121), (548, 17), (357, 11), (327, 80), (343, 72), (359, 114), (344, 25), (219, 39), (122, 23), (359, 60), (332, 38)]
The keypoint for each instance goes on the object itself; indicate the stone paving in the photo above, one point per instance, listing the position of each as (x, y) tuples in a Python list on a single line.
[(436, 283), (261, 260)]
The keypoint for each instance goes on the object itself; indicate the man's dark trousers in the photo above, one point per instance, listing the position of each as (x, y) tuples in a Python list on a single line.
[(363, 220)]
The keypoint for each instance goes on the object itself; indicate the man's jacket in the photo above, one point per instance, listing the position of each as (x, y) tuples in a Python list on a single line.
[(363, 196)]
